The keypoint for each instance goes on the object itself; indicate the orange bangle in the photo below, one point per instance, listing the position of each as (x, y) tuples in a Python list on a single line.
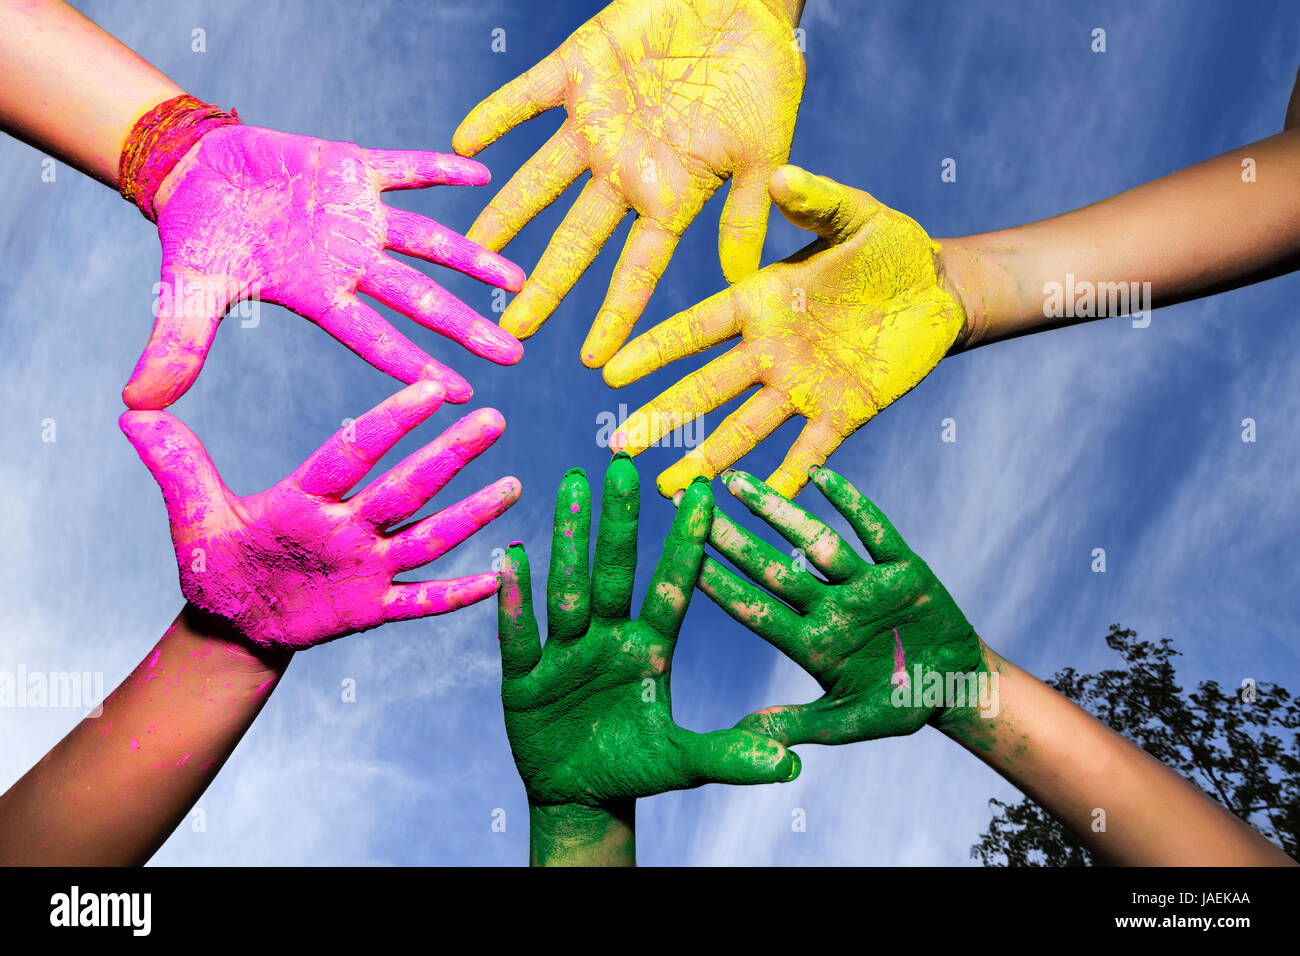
[(158, 140)]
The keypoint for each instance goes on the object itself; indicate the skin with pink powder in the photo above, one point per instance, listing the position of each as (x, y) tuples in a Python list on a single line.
[(296, 565), (283, 570), (328, 246)]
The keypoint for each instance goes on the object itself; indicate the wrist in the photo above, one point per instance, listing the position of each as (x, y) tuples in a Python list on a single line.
[(958, 268), (975, 712), (571, 834), (157, 142), (228, 649)]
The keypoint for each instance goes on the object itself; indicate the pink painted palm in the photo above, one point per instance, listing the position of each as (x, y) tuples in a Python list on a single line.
[(298, 564), (299, 222)]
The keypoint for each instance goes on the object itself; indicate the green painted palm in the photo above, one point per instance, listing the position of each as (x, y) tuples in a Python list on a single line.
[(862, 629), (589, 714)]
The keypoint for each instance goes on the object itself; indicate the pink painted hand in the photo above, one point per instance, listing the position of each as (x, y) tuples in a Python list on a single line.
[(298, 222), (298, 565)]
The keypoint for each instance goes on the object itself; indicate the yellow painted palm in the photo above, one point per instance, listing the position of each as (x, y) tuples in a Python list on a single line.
[(834, 333), (667, 99)]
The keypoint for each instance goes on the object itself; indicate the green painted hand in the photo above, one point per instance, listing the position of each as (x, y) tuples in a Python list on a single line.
[(881, 639), (589, 715)]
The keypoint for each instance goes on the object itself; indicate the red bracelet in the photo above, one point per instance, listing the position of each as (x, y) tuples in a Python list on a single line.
[(157, 142)]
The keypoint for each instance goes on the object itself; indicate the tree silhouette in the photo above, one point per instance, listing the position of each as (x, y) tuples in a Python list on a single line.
[(1241, 747)]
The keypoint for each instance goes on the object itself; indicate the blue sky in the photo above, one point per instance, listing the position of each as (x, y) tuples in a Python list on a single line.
[(1099, 436)]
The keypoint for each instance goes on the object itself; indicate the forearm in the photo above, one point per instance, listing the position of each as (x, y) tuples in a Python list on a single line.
[(1074, 766), (112, 791), (71, 89), (1197, 231), (575, 835)]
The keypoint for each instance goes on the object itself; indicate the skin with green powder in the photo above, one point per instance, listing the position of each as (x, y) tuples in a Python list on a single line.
[(589, 714), (863, 630), (870, 633)]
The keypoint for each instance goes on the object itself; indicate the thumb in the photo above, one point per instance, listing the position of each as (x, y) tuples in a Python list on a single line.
[(742, 757), (744, 223), (821, 205), (178, 462), (794, 724), (188, 310)]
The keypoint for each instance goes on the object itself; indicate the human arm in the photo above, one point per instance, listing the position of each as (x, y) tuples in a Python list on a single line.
[(112, 791), (267, 575), (1208, 228), (832, 334), (247, 213), (849, 324), (1072, 764), (893, 652), (51, 99)]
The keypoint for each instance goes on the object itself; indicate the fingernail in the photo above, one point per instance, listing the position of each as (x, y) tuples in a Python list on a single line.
[(621, 454), (794, 770), (514, 544)]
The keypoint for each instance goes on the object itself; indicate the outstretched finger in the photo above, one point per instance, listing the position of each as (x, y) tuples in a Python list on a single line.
[(702, 391), (674, 579), (738, 757), (751, 608), (614, 570), (819, 204), (743, 225), (414, 235), (524, 97), (873, 529), (764, 564), (404, 602), (810, 450), (588, 225), (418, 297), (374, 339), (403, 490), (699, 328), (431, 538), (537, 184), (820, 722), (645, 256), (179, 463), (353, 450), (418, 168), (183, 329), (824, 549), (738, 435), (568, 584)]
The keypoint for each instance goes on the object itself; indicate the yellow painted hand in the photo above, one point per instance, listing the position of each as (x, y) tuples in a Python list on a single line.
[(666, 100), (834, 333)]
